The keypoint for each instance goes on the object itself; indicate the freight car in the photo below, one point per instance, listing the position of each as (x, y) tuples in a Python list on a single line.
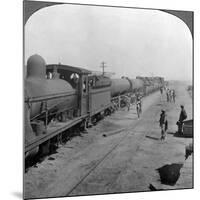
[(58, 97), (120, 86), (143, 85)]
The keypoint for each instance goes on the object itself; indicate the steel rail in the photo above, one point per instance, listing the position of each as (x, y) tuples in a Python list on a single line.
[(105, 156)]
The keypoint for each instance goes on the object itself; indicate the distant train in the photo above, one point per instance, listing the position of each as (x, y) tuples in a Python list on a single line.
[(58, 97), (144, 85)]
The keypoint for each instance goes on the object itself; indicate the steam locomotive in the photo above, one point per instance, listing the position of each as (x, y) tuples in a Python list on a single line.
[(58, 97)]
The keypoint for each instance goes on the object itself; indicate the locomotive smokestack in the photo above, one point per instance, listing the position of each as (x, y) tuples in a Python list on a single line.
[(36, 67)]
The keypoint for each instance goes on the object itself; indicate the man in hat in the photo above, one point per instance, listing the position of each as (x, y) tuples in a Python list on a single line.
[(182, 117), (161, 90), (167, 94), (139, 104), (174, 96), (128, 101), (163, 124)]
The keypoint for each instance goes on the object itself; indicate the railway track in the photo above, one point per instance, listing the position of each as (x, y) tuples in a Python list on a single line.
[(96, 165), (128, 131)]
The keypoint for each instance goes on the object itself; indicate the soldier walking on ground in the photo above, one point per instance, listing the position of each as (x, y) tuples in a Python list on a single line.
[(139, 105), (161, 93), (161, 90), (170, 95), (182, 117), (174, 96), (128, 102), (167, 93), (163, 124)]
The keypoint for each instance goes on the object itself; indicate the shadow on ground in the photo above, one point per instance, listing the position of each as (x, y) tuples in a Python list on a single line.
[(169, 174), (153, 138), (177, 134)]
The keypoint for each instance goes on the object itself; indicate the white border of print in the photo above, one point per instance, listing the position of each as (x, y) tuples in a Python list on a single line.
[(11, 97)]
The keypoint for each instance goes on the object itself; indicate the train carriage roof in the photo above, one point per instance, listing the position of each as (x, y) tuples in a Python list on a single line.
[(77, 70)]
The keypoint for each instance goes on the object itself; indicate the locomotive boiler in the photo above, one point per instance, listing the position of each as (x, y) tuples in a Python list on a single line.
[(37, 85), (45, 99)]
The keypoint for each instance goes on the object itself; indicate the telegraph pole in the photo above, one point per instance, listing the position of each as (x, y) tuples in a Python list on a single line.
[(103, 66)]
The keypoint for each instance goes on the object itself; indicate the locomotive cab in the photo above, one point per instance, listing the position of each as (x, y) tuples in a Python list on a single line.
[(78, 79)]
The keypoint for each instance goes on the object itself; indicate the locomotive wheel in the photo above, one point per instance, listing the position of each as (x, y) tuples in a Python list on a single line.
[(44, 148), (93, 120), (107, 112), (30, 157)]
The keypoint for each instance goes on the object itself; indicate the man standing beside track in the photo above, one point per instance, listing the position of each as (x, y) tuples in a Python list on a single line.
[(128, 102), (161, 90), (182, 117), (167, 94), (174, 96), (161, 93), (163, 124), (139, 104)]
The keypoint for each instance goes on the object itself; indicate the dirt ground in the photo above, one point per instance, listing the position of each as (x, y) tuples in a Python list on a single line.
[(120, 154)]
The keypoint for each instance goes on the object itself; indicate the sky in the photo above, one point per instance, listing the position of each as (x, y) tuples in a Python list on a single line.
[(132, 42)]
